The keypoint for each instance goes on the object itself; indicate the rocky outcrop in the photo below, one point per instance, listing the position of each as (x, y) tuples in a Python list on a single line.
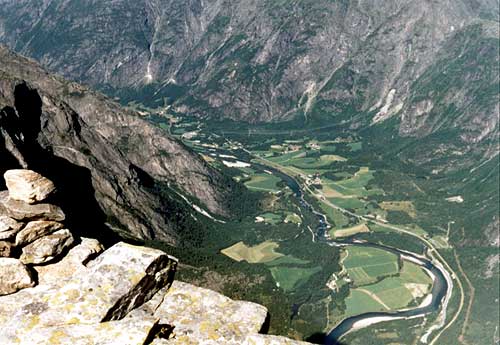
[(130, 172), (124, 295), (27, 185)]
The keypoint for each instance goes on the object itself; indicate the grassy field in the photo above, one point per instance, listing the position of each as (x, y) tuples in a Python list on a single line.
[(365, 265), (359, 302), (289, 278), (346, 232), (261, 253), (287, 260), (271, 218), (263, 182), (403, 206), (293, 218), (391, 292)]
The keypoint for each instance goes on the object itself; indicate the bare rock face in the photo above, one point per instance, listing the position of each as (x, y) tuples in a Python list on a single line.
[(107, 333), (9, 227), (47, 248), (119, 280), (124, 296), (36, 229), (202, 316), (27, 185), (13, 276)]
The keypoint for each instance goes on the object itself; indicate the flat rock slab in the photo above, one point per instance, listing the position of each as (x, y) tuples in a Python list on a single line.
[(23, 211), (36, 229), (124, 332), (47, 248), (9, 227), (14, 275), (27, 185), (120, 279), (202, 316)]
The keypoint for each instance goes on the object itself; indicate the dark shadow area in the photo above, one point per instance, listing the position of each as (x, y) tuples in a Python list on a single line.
[(75, 193), (323, 338), (265, 326)]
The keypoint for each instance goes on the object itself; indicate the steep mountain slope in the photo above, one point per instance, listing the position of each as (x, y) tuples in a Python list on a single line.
[(256, 61), (73, 134)]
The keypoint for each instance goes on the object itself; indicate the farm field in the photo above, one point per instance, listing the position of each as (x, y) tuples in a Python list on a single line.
[(346, 232), (263, 182), (365, 265), (359, 302), (289, 278), (261, 253)]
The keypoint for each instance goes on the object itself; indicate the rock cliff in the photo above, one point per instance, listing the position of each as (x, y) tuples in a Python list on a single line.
[(130, 173), (57, 289), (261, 60)]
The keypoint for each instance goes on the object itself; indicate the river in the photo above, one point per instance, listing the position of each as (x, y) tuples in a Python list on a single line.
[(439, 288)]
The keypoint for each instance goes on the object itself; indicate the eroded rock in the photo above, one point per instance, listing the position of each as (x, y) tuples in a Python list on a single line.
[(119, 280), (202, 316), (23, 211), (36, 229), (124, 332), (9, 227), (27, 185), (14, 275), (72, 264), (5, 249), (47, 248)]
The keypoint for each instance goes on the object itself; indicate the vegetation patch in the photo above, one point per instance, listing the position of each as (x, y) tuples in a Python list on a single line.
[(353, 230), (288, 278), (263, 182), (402, 206), (366, 265), (261, 253)]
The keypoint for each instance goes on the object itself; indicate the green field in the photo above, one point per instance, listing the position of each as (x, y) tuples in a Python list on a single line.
[(289, 278), (287, 260), (271, 218), (263, 182), (359, 302), (365, 265), (261, 253), (293, 218)]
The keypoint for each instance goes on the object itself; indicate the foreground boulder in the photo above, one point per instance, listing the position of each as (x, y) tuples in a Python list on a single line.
[(73, 264), (202, 316), (23, 211), (27, 185), (9, 227), (119, 280), (36, 229), (125, 332), (47, 248), (14, 276)]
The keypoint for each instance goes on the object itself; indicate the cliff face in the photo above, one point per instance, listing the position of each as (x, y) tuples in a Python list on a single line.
[(58, 289), (129, 173), (262, 60)]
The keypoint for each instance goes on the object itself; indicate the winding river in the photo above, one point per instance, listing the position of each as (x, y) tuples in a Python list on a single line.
[(440, 286)]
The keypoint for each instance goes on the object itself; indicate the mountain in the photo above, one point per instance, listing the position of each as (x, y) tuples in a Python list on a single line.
[(263, 60), (127, 172)]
